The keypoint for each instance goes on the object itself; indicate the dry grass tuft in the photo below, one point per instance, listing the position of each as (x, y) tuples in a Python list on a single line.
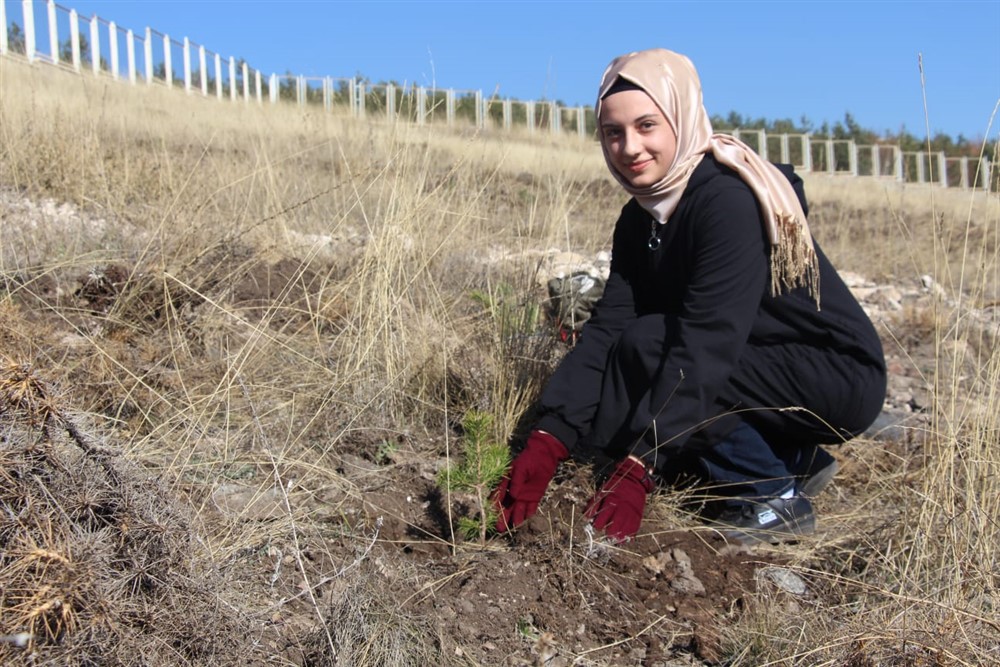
[(365, 627), (99, 564)]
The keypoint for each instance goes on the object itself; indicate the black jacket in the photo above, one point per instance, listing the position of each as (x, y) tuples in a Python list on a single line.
[(711, 277)]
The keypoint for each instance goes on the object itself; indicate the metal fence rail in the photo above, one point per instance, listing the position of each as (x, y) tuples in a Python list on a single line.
[(55, 35)]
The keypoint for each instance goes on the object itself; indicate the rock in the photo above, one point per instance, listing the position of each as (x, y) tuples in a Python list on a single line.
[(889, 425), (657, 563), (675, 565), (854, 280), (686, 582), (784, 579), (887, 298), (681, 558)]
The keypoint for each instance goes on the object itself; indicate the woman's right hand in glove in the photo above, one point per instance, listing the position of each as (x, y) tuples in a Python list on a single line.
[(517, 497)]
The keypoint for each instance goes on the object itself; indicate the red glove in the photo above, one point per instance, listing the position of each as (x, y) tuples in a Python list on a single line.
[(524, 484), (617, 506)]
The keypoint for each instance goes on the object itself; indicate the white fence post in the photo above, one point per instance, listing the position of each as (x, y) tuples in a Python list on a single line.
[(963, 164), (390, 101), (4, 44), (508, 114), (147, 49), (203, 70), (272, 89), (168, 70), (529, 112), (113, 48), (943, 169), (74, 39), (807, 153), (421, 105), (218, 76), (449, 106), (246, 83), (187, 65), (852, 157), (581, 122), (480, 116), (130, 52), (360, 97), (555, 118), (897, 158), (29, 30), (327, 94), (95, 45), (53, 32), (232, 79), (876, 161), (260, 87), (984, 169)]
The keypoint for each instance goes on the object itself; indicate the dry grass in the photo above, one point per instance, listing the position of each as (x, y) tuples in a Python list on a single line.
[(237, 298)]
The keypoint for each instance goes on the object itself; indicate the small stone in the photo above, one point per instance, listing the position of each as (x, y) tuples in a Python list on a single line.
[(785, 579), (687, 583), (657, 563), (680, 557)]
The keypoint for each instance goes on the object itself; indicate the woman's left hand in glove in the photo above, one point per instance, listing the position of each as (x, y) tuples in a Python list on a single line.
[(618, 505)]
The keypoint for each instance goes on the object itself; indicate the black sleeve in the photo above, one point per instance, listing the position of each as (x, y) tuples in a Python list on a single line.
[(728, 278), (569, 400)]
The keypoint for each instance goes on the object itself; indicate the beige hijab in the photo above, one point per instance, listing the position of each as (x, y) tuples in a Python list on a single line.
[(671, 81)]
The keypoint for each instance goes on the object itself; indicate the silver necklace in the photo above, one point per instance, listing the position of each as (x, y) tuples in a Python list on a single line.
[(654, 238)]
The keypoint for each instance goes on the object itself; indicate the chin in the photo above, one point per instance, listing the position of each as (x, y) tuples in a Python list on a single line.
[(641, 181)]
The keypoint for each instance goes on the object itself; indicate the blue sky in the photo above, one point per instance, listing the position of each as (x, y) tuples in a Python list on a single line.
[(770, 59)]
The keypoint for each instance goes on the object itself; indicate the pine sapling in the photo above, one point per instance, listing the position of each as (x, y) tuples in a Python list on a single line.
[(483, 464)]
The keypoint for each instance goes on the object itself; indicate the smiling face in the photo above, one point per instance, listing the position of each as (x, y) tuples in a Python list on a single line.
[(639, 141)]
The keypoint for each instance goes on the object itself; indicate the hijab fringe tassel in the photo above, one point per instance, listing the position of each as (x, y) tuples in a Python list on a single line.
[(793, 260)]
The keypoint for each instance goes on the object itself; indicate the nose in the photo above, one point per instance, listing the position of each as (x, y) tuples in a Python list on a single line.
[(630, 143)]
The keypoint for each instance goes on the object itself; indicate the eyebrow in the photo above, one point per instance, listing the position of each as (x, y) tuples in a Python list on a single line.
[(641, 118)]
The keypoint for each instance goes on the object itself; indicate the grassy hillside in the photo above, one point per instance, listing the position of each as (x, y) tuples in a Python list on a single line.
[(237, 343)]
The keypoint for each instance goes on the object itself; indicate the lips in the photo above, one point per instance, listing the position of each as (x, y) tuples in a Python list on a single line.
[(636, 167)]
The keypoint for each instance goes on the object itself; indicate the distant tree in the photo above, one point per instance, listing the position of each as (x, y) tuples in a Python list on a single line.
[(160, 72), (66, 50), (240, 62), (783, 126), (15, 38)]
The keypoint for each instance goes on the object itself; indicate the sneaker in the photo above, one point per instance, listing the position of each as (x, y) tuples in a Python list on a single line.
[(817, 478), (814, 469), (776, 520)]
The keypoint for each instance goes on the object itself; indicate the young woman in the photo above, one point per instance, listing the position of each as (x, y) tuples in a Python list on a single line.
[(725, 341)]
